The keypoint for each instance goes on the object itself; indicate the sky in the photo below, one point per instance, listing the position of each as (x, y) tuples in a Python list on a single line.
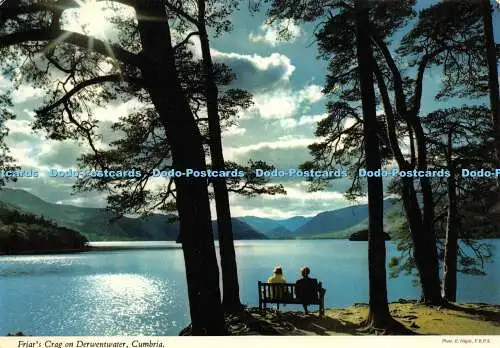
[(286, 79)]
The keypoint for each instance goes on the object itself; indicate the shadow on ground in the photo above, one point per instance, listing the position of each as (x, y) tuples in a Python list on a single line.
[(484, 311), (298, 323), (322, 326)]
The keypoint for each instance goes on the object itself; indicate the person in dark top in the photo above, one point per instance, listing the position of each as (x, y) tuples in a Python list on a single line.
[(306, 289)]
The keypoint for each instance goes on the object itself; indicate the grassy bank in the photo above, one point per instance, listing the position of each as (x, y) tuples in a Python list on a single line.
[(414, 319)]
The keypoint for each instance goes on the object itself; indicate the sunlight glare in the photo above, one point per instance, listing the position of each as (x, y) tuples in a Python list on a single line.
[(91, 19)]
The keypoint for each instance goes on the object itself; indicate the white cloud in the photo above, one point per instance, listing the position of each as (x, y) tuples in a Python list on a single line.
[(18, 126), (284, 103), (270, 33), (349, 122), (4, 83), (311, 93), (304, 120), (113, 112), (234, 131), (278, 105), (296, 202), (272, 62), (301, 194), (30, 113), (23, 156), (26, 92), (283, 143)]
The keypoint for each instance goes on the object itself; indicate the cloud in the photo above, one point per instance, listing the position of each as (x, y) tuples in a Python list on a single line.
[(284, 103), (18, 126), (283, 154), (304, 120), (234, 131), (311, 93), (4, 83), (278, 105), (270, 33), (285, 143), (113, 111), (254, 72), (296, 202), (60, 154), (25, 93)]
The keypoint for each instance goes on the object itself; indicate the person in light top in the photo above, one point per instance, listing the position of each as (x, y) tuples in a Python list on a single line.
[(276, 278)]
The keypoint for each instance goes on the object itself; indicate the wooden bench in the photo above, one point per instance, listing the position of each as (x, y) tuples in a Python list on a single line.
[(286, 294)]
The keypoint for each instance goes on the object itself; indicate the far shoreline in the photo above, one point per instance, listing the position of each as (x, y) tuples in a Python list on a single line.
[(173, 245)]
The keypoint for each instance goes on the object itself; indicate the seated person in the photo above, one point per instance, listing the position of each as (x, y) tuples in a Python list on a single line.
[(277, 278), (306, 288)]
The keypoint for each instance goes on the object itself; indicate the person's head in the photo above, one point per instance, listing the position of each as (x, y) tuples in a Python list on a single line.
[(278, 270), (305, 271)]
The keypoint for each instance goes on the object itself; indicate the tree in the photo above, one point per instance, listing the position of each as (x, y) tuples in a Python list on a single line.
[(453, 135), (491, 56), (335, 40), (40, 23), (201, 81), (230, 285), (6, 161), (378, 316)]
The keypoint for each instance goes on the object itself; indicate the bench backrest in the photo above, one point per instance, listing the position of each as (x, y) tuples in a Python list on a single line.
[(284, 292)]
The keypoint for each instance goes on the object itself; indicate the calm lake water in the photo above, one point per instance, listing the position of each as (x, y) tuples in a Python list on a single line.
[(143, 292)]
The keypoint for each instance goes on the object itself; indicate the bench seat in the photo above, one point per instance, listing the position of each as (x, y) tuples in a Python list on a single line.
[(286, 294)]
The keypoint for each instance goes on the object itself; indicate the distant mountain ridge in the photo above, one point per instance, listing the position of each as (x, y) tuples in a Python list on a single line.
[(338, 220), (339, 223), (22, 232), (265, 225), (99, 224)]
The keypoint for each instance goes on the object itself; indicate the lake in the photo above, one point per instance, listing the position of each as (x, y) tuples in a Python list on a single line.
[(143, 292)]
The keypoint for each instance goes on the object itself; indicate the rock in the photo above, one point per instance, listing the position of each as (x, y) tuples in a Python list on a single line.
[(402, 300), (360, 305)]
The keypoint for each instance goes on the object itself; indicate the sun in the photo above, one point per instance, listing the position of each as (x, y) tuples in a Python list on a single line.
[(91, 18)]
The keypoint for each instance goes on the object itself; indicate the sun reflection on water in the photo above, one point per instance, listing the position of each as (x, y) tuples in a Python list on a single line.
[(125, 303)]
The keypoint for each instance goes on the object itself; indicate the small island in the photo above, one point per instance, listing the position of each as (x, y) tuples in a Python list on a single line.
[(25, 233), (362, 236)]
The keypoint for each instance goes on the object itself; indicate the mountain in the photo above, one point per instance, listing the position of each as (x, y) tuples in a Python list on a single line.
[(338, 221), (241, 230), (265, 225), (280, 232), (22, 232), (99, 224)]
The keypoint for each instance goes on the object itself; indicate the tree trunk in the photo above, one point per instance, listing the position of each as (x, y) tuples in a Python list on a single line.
[(427, 246), (424, 244), (202, 273), (378, 316), (230, 286), (451, 245), (422, 247), (491, 56)]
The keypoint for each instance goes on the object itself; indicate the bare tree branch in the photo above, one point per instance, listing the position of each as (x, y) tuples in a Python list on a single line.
[(182, 13), (73, 38), (78, 88), (183, 42)]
